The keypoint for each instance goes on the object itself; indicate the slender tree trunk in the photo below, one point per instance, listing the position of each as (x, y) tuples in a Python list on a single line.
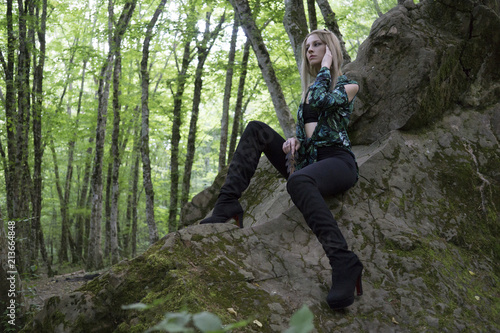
[(176, 125), (79, 227), (176, 137), (107, 212), (332, 25), (253, 33), (94, 260), (146, 163), (311, 11), (203, 50), (18, 109), (82, 220), (115, 152), (37, 139), (63, 195), (239, 100), (295, 23), (26, 255), (224, 123), (63, 249), (377, 8), (128, 236), (133, 206)]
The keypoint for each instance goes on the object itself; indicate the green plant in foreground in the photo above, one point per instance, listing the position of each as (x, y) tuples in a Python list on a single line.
[(206, 322)]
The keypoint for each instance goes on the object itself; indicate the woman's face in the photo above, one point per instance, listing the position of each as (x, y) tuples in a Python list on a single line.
[(315, 50)]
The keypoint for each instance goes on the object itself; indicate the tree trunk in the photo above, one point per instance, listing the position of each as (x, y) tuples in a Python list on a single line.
[(18, 182), (333, 26), (79, 218), (63, 249), (253, 33), (94, 260), (115, 152), (239, 101), (82, 220), (134, 205), (377, 8), (295, 23), (63, 195), (37, 140), (204, 48), (129, 236), (311, 10), (107, 212), (224, 123), (146, 163), (176, 124)]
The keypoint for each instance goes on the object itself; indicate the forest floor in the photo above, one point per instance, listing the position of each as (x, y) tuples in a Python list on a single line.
[(38, 290)]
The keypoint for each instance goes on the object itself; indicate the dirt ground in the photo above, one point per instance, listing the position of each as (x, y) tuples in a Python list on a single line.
[(37, 291)]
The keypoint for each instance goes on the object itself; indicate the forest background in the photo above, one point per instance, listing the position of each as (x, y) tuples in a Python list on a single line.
[(114, 114)]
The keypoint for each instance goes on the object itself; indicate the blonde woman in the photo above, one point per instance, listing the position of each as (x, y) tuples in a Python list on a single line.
[(325, 164)]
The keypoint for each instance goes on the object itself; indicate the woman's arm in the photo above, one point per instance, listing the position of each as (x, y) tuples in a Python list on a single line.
[(351, 90), (321, 97)]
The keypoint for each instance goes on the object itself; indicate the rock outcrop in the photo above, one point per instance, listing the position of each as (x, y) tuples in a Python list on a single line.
[(423, 218), (421, 60)]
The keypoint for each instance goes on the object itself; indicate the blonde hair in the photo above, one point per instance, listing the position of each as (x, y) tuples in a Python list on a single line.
[(308, 73)]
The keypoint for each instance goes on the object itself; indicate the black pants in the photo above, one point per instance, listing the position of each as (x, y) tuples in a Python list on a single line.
[(333, 173)]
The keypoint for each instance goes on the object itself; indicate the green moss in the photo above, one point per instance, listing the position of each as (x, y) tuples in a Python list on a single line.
[(182, 278), (449, 266), (443, 89), (461, 183)]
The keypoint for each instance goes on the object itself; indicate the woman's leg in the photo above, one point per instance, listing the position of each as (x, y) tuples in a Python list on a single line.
[(307, 187), (257, 138)]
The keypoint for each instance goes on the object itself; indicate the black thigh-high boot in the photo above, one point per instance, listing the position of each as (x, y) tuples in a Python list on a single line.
[(346, 267), (256, 139)]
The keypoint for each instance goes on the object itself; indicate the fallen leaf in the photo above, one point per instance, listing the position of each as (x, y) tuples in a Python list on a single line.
[(258, 323), (395, 321), (232, 311)]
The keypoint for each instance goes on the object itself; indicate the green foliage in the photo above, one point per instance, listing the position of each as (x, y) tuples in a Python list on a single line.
[(206, 322), (301, 321)]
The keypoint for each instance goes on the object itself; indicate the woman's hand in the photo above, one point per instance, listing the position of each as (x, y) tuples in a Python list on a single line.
[(291, 145), (327, 58)]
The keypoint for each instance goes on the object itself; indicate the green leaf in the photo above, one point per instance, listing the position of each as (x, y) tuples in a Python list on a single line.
[(207, 322), (301, 321), (239, 324), (173, 322)]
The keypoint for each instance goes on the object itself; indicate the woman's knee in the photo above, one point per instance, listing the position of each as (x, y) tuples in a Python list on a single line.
[(298, 181), (255, 125), (262, 131)]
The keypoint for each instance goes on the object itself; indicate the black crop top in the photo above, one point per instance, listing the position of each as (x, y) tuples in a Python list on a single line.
[(309, 115)]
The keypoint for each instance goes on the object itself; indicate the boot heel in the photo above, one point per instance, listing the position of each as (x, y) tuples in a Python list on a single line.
[(239, 219), (359, 286)]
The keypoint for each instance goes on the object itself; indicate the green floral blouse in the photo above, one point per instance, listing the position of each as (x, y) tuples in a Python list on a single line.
[(334, 111)]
